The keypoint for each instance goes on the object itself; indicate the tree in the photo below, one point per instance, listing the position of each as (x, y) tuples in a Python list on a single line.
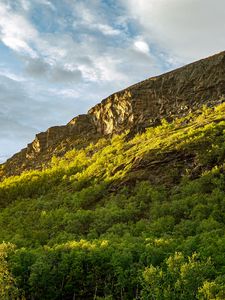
[(8, 289)]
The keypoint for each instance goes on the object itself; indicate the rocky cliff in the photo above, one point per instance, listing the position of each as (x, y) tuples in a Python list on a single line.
[(144, 104), (167, 96)]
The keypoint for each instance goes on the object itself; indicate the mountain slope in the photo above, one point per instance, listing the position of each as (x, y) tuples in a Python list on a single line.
[(171, 95), (135, 215), (122, 219)]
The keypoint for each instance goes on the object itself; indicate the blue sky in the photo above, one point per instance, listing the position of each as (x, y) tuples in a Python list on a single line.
[(58, 58)]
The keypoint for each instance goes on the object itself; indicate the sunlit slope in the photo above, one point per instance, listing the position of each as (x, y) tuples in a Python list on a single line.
[(139, 217), (172, 95)]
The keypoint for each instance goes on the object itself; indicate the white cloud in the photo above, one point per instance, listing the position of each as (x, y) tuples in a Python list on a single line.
[(18, 44), (188, 29), (142, 46), (91, 17), (108, 68), (25, 4), (50, 54), (10, 75), (15, 31), (47, 3), (106, 29), (65, 93)]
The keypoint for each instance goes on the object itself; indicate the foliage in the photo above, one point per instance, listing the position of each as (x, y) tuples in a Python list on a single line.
[(139, 217), (8, 289)]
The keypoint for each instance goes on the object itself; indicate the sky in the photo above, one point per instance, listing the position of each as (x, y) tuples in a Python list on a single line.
[(58, 58)]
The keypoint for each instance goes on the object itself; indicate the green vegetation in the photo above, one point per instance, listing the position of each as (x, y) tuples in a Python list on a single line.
[(125, 218)]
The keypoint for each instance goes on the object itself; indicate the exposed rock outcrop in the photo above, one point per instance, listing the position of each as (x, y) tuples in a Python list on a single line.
[(81, 124), (144, 104), (170, 95)]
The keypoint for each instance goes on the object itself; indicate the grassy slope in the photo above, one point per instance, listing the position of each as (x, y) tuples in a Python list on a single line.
[(124, 218)]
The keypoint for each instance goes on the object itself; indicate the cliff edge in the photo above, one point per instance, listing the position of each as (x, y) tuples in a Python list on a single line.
[(173, 94)]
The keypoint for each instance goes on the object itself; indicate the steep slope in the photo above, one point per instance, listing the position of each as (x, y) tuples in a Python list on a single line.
[(125, 218), (135, 209), (171, 95)]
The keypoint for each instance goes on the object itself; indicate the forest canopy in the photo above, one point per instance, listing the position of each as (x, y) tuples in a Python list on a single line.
[(129, 217)]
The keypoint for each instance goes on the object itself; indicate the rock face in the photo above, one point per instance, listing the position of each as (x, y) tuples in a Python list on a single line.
[(81, 124), (167, 96), (144, 104)]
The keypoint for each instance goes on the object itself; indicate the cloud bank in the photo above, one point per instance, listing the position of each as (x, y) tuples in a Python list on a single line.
[(184, 29)]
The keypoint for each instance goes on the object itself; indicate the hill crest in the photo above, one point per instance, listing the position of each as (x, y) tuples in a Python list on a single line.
[(167, 96)]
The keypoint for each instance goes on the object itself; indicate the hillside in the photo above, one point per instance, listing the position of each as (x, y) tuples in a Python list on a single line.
[(171, 95), (133, 210)]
